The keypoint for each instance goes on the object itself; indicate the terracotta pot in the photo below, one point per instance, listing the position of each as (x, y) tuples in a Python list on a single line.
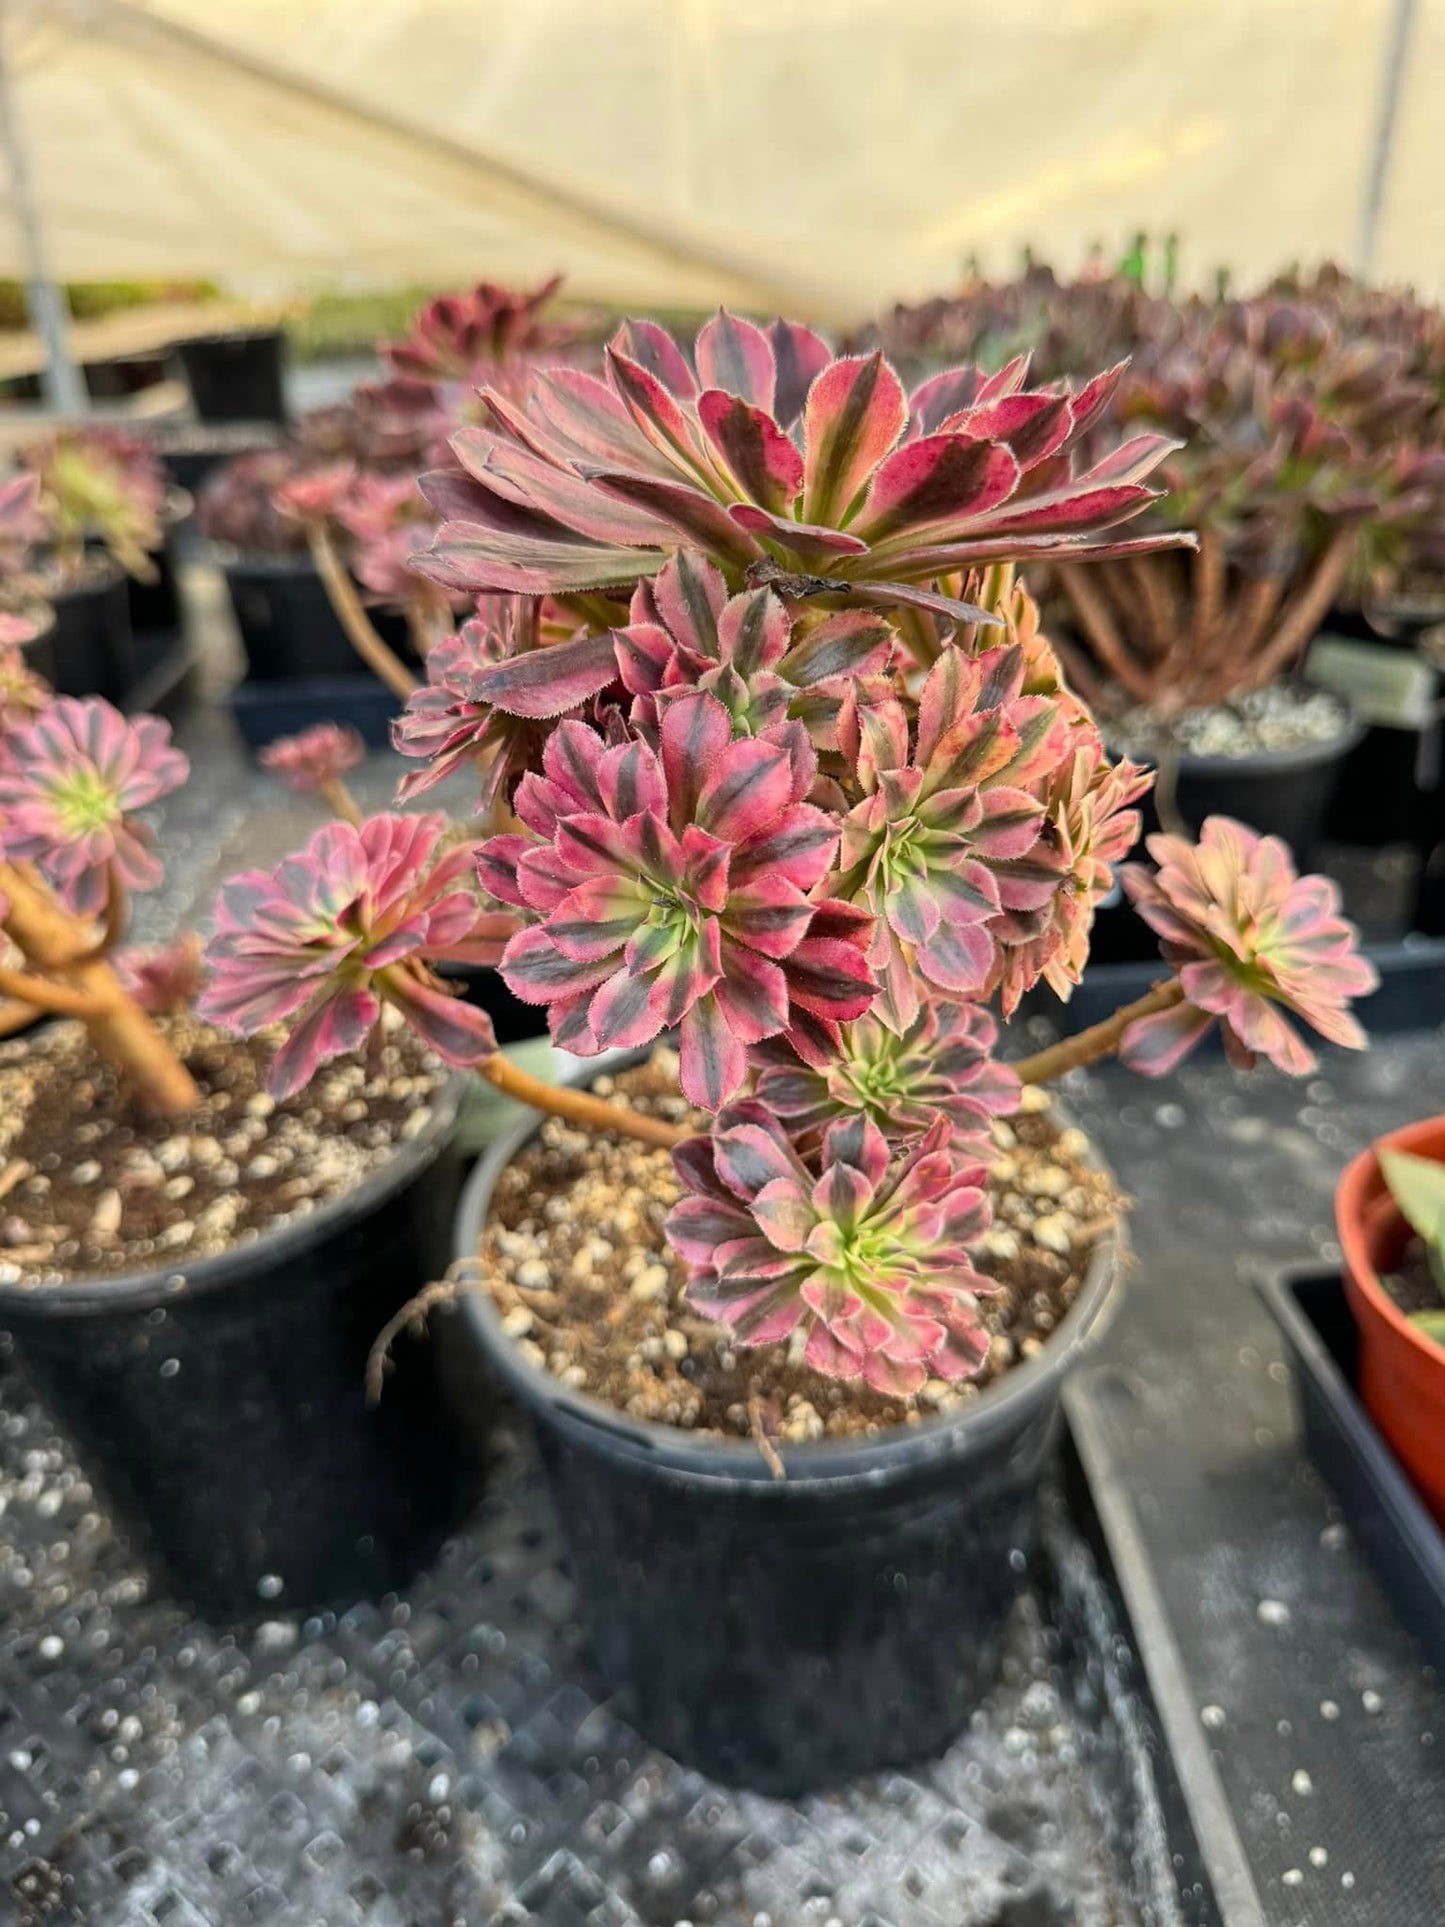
[(1402, 1373)]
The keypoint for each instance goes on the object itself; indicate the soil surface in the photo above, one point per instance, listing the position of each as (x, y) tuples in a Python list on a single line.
[(574, 1256), (1413, 1286), (89, 1185), (1286, 715)]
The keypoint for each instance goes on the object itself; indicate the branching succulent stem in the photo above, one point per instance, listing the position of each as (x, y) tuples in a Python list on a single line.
[(61, 979), (351, 613), (339, 800), (579, 1107), (1099, 1040)]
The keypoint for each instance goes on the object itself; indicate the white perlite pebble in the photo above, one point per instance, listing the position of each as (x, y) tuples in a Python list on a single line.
[(1371, 1700), (1213, 1717), (1294, 1878), (517, 1322), (1329, 1710), (649, 1283), (1055, 1233), (1272, 1612), (1301, 1783), (1319, 1857)]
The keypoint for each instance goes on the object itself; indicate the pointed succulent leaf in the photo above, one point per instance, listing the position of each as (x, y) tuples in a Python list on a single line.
[(856, 411)]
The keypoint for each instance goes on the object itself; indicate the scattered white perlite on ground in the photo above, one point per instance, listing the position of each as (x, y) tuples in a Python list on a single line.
[(1287, 715)]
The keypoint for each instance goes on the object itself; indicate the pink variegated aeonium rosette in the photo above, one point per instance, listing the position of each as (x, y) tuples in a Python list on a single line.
[(1251, 941), (352, 923), (72, 781), (789, 770)]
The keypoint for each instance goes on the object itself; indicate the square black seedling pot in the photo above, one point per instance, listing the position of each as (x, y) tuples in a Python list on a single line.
[(1386, 1515)]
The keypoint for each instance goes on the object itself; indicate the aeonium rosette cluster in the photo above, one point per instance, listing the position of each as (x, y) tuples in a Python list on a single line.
[(769, 765)]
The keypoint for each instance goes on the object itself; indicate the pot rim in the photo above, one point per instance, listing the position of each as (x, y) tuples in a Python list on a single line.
[(162, 1283), (1265, 761), (228, 337), (227, 557), (1360, 1183), (106, 572), (712, 1460), (178, 504)]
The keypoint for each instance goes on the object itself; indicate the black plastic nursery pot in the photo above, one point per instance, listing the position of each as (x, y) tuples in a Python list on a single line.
[(93, 649), (221, 1404), (289, 629), (190, 450), (1281, 793), (39, 651), (237, 377), (512, 1020), (155, 607), (786, 1634)]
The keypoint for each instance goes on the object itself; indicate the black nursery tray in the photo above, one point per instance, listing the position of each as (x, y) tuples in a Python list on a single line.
[(1401, 1539), (266, 710), (444, 1755)]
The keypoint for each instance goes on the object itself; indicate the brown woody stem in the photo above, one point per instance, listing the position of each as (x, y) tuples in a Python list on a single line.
[(1307, 611), (63, 979), (352, 615), (60, 1000), (1099, 1040), (117, 915), (1101, 631), (579, 1107), (1209, 572), (339, 800)]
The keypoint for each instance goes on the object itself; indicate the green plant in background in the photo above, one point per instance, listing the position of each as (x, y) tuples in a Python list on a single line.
[(341, 322), (1418, 1186), (90, 300)]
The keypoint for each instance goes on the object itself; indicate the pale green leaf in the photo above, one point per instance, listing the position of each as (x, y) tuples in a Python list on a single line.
[(1418, 1186)]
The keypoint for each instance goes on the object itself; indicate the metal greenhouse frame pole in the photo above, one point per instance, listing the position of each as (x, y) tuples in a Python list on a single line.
[(65, 389), (1402, 27)]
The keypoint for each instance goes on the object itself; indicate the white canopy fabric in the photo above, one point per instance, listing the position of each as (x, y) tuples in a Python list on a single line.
[(821, 156)]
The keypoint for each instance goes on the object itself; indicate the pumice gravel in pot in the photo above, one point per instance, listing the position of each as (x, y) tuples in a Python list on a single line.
[(828, 1605), (195, 1303)]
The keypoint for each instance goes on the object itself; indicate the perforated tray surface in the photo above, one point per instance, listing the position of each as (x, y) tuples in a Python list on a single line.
[(440, 1757)]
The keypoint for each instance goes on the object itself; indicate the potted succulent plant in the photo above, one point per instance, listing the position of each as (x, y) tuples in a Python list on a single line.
[(1312, 464), (302, 666), (200, 1236), (100, 517), (315, 540), (1390, 1209), (795, 779), (1297, 448)]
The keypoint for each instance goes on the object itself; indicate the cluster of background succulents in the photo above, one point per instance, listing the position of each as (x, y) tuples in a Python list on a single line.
[(1310, 429)]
